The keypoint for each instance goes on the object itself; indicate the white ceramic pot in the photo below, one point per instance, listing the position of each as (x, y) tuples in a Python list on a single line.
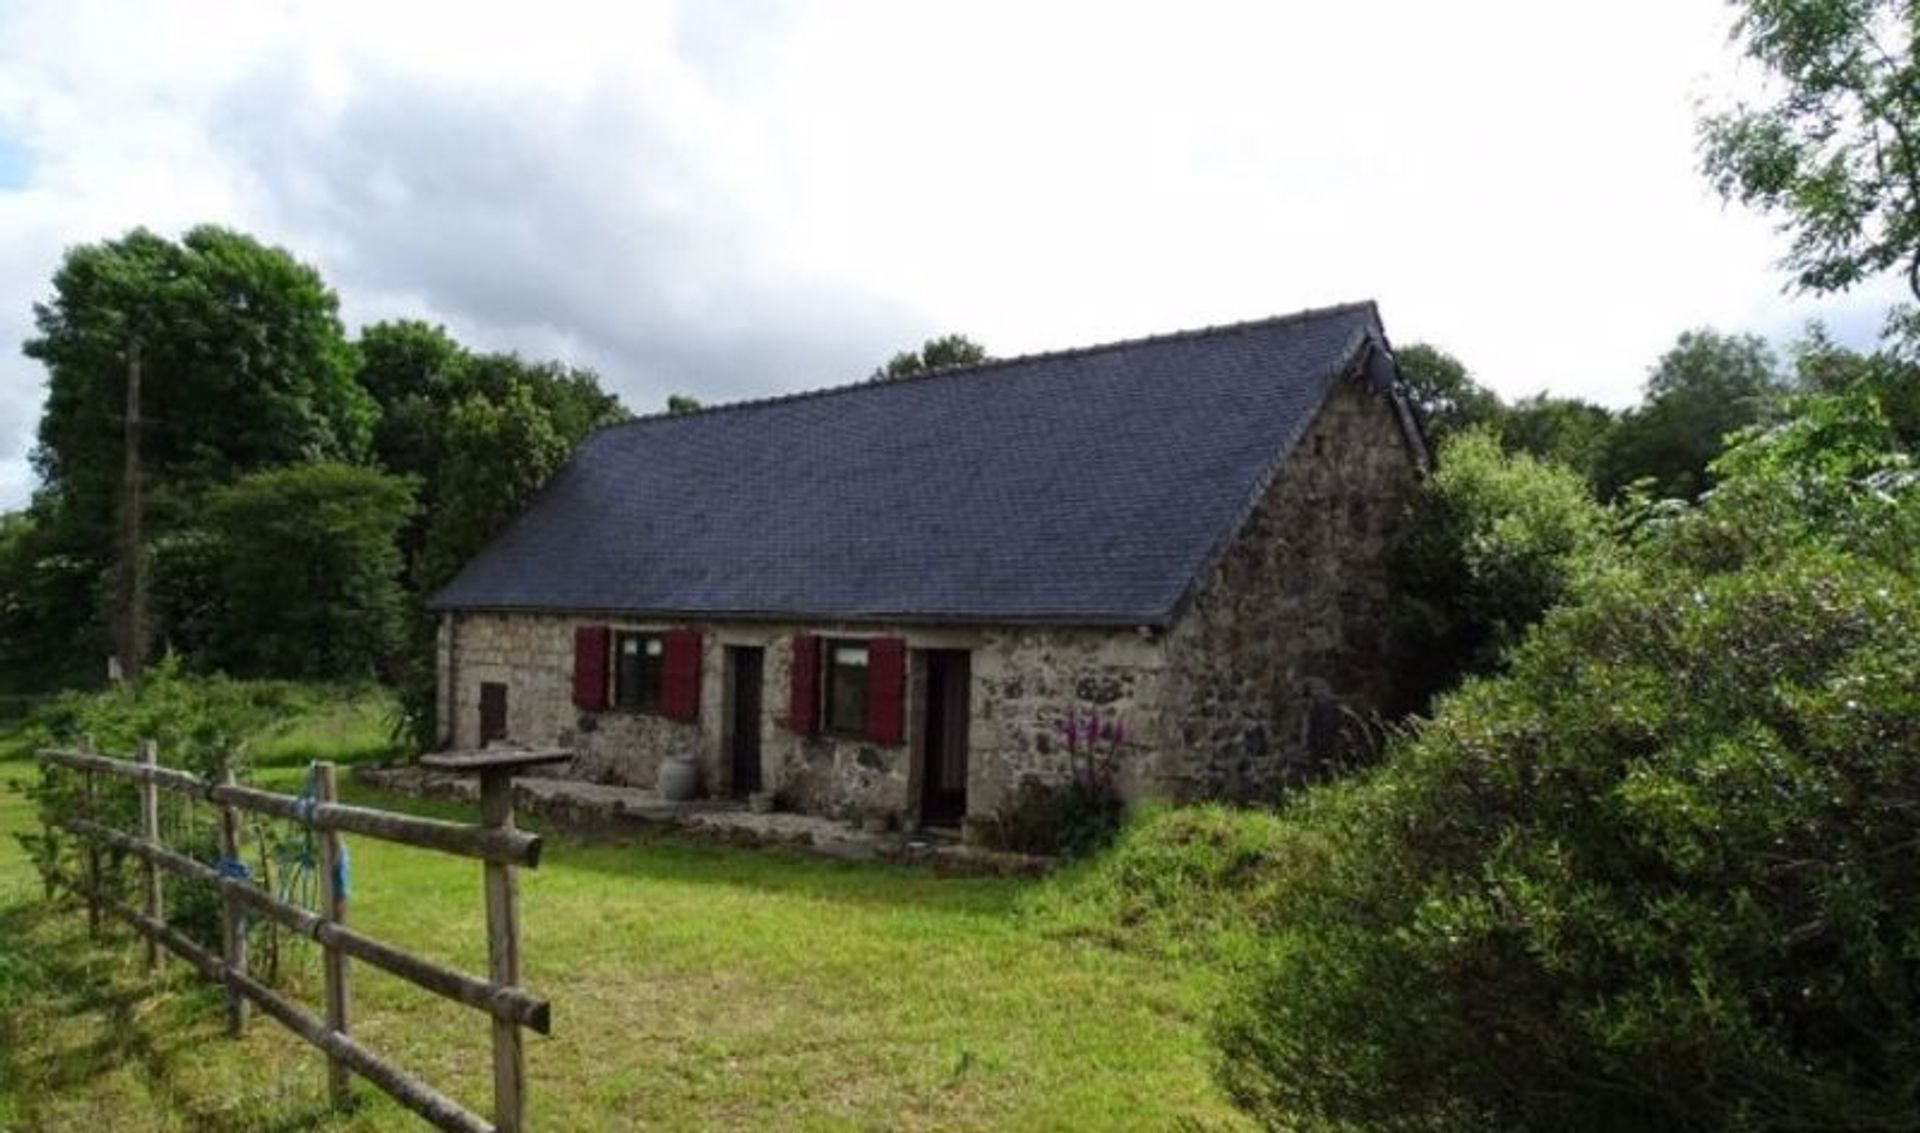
[(679, 780)]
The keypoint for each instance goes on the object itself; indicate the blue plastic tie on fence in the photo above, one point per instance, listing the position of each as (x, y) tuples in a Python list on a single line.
[(232, 867), (341, 872)]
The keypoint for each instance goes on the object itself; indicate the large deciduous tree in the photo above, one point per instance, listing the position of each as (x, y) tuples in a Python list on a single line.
[(1443, 393), (1562, 430), (497, 454), (1834, 150), (245, 366)]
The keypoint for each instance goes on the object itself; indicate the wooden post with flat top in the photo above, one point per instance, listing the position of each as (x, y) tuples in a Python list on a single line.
[(333, 908), (496, 768)]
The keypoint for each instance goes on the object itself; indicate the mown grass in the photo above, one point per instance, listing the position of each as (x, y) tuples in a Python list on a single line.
[(694, 987)]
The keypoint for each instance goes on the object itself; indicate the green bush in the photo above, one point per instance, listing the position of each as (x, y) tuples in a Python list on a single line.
[(1494, 541), (309, 571), (1659, 876)]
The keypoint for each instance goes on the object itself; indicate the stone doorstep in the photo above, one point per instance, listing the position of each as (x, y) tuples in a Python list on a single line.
[(583, 807)]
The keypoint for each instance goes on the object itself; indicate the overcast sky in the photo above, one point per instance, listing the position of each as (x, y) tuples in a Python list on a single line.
[(730, 199)]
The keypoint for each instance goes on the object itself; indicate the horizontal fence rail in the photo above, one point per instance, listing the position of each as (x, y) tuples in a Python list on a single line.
[(495, 842), (508, 847)]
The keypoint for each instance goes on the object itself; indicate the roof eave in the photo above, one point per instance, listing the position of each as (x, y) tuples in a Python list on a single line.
[(1109, 621)]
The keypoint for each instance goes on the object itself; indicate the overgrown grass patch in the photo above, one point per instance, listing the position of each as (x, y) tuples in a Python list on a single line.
[(1194, 886)]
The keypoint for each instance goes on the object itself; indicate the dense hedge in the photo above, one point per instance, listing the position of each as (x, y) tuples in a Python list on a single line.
[(1661, 876)]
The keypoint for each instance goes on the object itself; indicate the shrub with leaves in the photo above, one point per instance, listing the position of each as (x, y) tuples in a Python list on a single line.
[(198, 724), (1495, 540), (1660, 875), (1079, 815)]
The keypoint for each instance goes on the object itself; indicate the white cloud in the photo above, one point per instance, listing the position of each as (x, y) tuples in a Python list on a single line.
[(729, 199)]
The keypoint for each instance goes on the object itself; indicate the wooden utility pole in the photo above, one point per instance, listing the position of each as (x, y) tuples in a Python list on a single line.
[(133, 574)]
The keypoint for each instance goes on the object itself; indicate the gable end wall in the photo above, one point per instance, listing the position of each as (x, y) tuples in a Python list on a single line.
[(1296, 610)]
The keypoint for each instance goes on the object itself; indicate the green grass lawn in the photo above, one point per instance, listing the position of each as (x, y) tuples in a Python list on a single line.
[(694, 986)]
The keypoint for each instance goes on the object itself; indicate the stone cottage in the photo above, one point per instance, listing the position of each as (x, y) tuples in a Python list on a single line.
[(905, 596)]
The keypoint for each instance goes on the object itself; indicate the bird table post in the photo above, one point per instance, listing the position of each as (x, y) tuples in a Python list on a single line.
[(496, 768)]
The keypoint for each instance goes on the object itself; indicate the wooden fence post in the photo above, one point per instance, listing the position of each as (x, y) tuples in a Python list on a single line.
[(333, 907), (233, 923), (503, 955), (150, 829), (89, 785)]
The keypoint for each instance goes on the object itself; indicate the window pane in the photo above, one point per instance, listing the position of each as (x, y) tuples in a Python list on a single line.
[(847, 688), (637, 672)]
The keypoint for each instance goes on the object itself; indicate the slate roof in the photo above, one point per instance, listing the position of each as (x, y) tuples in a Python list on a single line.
[(1093, 486)]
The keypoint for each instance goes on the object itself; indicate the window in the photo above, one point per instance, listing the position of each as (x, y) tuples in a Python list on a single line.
[(847, 687), (637, 668)]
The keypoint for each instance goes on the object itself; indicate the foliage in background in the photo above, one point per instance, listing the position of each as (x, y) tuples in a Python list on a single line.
[(1889, 375), (1443, 394), (1494, 541), (1558, 430), (1658, 876), (1708, 387), (309, 571), (1832, 150), (934, 354)]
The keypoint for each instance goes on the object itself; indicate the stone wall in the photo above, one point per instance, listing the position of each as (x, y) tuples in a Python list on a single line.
[(1024, 683), (1290, 635)]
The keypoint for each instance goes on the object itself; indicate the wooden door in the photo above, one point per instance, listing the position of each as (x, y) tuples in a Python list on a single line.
[(746, 664), (493, 712), (943, 772)]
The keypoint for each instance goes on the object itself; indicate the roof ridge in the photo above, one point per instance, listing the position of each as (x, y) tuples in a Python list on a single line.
[(1001, 363)]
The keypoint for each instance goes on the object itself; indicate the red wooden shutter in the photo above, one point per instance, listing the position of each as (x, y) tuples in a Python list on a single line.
[(590, 666), (680, 675), (803, 710), (886, 690)]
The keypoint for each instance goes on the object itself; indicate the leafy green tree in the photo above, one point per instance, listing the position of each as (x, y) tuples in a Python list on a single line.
[(1443, 393), (1890, 375), (570, 396), (1559, 430), (310, 570), (48, 600), (1833, 150), (498, 453), (414, 370), (682, 403), (934, 354), (1494, 541), (1704, 389), (245, 366)]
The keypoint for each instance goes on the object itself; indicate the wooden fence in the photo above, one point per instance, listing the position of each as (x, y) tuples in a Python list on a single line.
[(494, 841)]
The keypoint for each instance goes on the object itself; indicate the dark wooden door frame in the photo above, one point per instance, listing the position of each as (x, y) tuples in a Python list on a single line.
[(941, 794), (746, 668), (493, 712)]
